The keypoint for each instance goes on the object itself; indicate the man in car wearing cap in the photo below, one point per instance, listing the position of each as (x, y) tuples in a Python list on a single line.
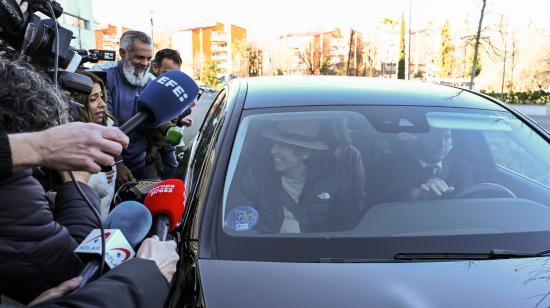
[(300, 192)]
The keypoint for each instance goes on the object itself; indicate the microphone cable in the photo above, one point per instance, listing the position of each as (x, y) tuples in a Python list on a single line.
[(75, 183)]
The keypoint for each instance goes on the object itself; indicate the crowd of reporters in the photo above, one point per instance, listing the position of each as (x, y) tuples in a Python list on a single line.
[(39, 232)]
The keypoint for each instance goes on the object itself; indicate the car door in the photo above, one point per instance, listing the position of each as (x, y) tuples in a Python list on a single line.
[(186, 287)]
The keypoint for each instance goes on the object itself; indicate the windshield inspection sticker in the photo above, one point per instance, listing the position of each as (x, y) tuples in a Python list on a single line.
[(242, 218)]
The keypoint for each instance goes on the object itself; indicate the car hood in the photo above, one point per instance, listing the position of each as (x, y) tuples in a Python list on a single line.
[(491, 283)]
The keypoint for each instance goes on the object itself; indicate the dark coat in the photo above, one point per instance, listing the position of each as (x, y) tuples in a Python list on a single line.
[(397, 176), (332, 199), (36, 244), (136, 283)]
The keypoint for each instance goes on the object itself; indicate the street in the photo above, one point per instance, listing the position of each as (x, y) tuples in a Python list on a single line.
[(197, 115)]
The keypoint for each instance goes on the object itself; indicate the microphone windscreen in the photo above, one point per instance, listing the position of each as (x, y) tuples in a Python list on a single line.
[(167, 198), (167, 97), (133, 219), (174, 136)]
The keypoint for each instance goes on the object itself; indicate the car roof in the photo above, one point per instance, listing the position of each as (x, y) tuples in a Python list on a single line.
[(286, 91)]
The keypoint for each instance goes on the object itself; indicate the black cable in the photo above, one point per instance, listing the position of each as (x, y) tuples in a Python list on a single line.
[(96, 214), (56, 60), (78, 188)]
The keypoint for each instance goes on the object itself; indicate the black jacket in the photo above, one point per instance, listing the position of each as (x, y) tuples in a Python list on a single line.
[(332, 199), (36, 244), (136, 283), (400, 174)]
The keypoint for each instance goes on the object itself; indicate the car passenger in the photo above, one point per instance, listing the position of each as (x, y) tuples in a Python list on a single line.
[(300, 192), (426, 172)]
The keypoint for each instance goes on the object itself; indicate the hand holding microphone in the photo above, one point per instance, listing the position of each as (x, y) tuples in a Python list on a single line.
[(75, 146), (162, 252)]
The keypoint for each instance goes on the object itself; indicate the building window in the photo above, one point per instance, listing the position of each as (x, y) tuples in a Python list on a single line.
[(76, 21)]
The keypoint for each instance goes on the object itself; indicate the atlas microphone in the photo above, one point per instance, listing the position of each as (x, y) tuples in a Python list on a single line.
[(126, 226), (166, 202), (162, 100)]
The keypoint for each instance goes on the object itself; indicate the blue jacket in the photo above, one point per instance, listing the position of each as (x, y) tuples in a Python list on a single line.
[(121, 102)]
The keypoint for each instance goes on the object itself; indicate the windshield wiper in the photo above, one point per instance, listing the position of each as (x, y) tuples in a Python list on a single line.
[(493, 254), (353, 260)]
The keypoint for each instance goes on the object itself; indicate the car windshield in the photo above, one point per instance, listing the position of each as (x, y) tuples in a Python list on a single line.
[(337, 178)]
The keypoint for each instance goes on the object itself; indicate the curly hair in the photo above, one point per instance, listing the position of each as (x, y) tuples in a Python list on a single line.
[(28, 100)]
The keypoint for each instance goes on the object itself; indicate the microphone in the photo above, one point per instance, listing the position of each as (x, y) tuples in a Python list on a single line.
[(166, 202), (162, 100), (174, 135), (126, 226)]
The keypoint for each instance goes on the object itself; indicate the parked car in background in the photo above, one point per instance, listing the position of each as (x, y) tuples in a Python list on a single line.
[(297, 196)]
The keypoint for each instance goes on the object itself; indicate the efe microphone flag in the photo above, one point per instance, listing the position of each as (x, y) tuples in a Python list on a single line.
[(166, 97)]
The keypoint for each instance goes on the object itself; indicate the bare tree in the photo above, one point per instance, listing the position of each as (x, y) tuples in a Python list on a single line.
[(476, 50), (513, 56), (370, 52), (308, 57), (351, 49)]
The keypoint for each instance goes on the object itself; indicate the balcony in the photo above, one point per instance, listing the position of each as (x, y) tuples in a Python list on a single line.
[(218, 57), (218, 37), (218, 48)]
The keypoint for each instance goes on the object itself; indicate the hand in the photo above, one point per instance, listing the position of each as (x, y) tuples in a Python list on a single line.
[(75, 146), (163, 253), (80, 176), (437, 186), (124, 175), (58, 291), (110, 176), (187, 122)]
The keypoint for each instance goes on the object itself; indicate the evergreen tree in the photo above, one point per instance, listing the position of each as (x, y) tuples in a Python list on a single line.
[(471, 52), (401, 63), (210, 74), (447, 60)]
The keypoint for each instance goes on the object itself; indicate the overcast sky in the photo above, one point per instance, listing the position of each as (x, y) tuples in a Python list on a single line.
[(265, 19)]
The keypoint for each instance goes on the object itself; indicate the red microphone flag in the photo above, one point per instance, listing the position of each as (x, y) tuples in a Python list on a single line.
[(167, 198)]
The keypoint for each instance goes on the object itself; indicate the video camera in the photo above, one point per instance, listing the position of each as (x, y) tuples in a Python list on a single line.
[(96, 55), (41, 41)]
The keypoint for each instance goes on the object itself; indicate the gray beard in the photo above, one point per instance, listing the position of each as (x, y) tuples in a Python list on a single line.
[(138, 80)]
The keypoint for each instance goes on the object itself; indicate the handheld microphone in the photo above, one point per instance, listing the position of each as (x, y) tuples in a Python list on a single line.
[(162, 100), (126, 226), (174, 135), (166, 201)]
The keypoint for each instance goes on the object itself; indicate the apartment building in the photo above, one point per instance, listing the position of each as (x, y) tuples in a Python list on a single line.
[(222, 44), (303, 52), (78, 17), (108, 36)]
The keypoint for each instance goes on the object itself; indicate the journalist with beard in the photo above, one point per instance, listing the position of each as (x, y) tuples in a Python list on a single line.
[(124, 82)]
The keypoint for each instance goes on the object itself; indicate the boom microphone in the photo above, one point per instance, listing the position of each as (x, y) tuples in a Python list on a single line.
[(126, 226), (166, 202), (162, 100)]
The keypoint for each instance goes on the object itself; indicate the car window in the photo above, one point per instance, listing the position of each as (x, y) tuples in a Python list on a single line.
[(510, 154), (339, 170), (204, 138)]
